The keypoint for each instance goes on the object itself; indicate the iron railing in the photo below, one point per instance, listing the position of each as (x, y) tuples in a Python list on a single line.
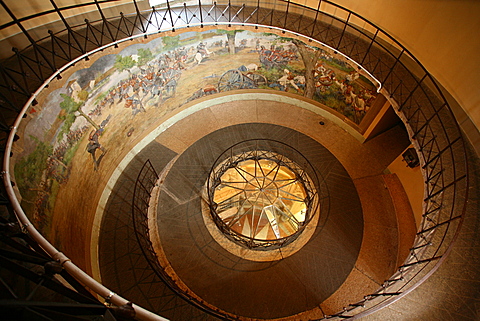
[(413, 92), (282, 155), (145, 183), (36, 287)]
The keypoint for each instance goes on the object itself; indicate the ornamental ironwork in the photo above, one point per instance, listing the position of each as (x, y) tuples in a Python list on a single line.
[(259, 196)]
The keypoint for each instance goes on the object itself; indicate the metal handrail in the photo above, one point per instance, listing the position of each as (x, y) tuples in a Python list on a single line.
[(144, 184), (53, 11), (415, 95)]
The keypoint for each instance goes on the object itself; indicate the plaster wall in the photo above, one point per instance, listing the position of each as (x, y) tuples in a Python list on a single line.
[(20, 10), (444, 36), (412, 182)]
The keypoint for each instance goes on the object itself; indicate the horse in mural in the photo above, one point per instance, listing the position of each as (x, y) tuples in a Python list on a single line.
[(202, 53)]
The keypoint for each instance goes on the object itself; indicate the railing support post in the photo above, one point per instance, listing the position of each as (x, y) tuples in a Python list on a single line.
[(69, 29), (105, 22)]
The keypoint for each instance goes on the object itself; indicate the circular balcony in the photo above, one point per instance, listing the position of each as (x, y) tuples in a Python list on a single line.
[(443, 152), (261, 199)]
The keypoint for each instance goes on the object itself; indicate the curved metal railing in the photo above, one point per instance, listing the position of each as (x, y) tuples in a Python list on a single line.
[(413, 92), (144, 184), (282, 155)]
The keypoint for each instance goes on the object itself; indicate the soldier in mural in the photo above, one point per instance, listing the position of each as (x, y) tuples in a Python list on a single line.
[(202, 53), (287, 80), (143, 82), (93, 145)]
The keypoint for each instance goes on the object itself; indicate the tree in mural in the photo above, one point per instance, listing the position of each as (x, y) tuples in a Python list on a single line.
[(310, 58), (124, 63), (230, 38), (144, 56), (71, 107), (29, 169), (170, 42)]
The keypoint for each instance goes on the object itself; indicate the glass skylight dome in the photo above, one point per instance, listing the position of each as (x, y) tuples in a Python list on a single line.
[(260, 198)]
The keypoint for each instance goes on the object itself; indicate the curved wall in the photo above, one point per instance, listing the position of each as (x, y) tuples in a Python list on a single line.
[(443, 35), (86, 122), (380, 251)]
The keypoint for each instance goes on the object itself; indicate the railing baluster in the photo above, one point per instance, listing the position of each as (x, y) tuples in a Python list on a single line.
[(369, 47), (144, 30), (201, 14), (316, 18), (286, 15), (105, 22), (343, 31), (428, 145), (171, 17), (69, 29), (29, 37)]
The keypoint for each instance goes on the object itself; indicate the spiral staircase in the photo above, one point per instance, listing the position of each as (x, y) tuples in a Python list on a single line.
[(437, 280)]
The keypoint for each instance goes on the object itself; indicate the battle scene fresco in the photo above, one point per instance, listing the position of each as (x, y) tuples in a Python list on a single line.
[(99, 109)]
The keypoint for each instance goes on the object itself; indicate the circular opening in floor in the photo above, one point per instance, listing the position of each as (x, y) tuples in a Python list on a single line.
[(260, 194)]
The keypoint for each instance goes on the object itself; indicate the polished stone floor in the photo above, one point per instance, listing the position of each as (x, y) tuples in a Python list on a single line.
[(354, 249), (242, 287)]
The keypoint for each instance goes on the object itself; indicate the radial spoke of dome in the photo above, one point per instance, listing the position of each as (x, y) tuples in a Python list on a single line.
[(287, 188), (274, 179), (228, 184), (272, 191), (276, 169), (296, 198), (252, 189), (268, 184), (262, 170), (227, 199), (299, 200), (291, 182), (271, 188), (268, 198), (283, 188), (287, 193), (239, 169), (291, 216), (257, 170)]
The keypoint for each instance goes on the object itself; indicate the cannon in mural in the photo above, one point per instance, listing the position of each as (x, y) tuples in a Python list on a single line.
[(236, 79), (206, 90)]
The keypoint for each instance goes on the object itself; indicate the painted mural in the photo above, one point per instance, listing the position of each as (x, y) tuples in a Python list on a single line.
[(99, 108)]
